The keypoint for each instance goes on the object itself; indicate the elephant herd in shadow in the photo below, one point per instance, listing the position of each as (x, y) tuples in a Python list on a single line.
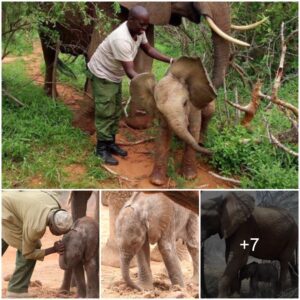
[(271, 234)]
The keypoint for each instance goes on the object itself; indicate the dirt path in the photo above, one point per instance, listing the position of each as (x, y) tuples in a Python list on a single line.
[(134, 170), (112, 285)]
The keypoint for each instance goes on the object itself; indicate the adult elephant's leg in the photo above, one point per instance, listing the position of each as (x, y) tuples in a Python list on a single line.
[(162, 147), (80, 280), (110, 255), (204, 292), (167, 249), (284, 267), (189, 162), (145, 275), (49, 57), (236, 259), (79, 203), (92, 274), (142, 63)]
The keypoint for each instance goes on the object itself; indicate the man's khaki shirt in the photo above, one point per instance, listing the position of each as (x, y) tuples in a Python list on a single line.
[(24, 220)]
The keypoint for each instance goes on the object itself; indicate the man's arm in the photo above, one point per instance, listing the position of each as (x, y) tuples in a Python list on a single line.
[(58, 247), (128, 67), (152, 52)]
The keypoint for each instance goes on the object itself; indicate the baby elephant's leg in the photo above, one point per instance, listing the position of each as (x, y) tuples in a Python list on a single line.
[(91, 269), (193, 245), (194, 252), (80, 280), (168, 252), (145, 275)]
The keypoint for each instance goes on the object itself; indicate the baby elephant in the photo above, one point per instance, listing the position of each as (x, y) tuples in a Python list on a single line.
[(153, 218), (259, 273), (82, 250)]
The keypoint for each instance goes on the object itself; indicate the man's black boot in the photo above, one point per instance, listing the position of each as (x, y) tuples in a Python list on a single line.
[(115, 149), (103, 152)]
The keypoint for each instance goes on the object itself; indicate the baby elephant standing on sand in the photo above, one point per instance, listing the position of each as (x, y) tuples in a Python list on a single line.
[(82, 251), (266, 273), (153, 218)]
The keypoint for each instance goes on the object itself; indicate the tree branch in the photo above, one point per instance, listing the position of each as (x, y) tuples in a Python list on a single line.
[(6, 93), (250, 109), (279, 73)]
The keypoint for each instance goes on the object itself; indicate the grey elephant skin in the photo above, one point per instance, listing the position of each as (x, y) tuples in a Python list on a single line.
[(236, 219), (78, 201), (79, 38), (149, 219), (257, 273), (177, 100), (82, 252)]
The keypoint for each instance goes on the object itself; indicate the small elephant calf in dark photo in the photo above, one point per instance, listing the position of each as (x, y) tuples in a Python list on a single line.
[(266, 273), (82, 252)]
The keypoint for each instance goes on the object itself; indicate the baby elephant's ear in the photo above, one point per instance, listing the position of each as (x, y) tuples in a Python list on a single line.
[(142, 89), (192, 72)]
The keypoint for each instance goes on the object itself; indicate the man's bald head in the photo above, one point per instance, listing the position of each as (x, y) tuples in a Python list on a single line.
[(138, 12), (138, 20)]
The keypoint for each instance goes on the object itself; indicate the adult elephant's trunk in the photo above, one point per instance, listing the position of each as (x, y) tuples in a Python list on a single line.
[(125, 263), (220, 14)]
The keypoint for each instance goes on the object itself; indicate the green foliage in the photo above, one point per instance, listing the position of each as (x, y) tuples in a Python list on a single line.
[(78, 66), (173, 174), (240, 153), (39, 140)]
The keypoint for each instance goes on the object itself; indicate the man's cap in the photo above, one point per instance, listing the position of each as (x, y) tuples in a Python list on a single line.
[(61, 221)]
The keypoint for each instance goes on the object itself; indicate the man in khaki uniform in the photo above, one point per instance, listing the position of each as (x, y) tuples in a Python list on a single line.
[(25, 216), (112, 60)]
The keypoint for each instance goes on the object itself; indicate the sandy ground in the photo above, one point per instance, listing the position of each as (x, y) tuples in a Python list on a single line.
[(134, 170), (47, 272), (112, 285)]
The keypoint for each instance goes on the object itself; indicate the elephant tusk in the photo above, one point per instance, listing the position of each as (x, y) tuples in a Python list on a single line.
[(250, 26), (222, 34)]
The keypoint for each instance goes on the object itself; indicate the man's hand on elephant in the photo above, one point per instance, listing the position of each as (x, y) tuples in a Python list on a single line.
[(59, 247)]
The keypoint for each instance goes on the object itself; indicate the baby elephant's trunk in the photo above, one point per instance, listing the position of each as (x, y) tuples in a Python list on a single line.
[(125, 262)]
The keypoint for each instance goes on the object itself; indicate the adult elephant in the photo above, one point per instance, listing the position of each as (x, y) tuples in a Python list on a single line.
[(78, 201), (76, 38), (236, 219)]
